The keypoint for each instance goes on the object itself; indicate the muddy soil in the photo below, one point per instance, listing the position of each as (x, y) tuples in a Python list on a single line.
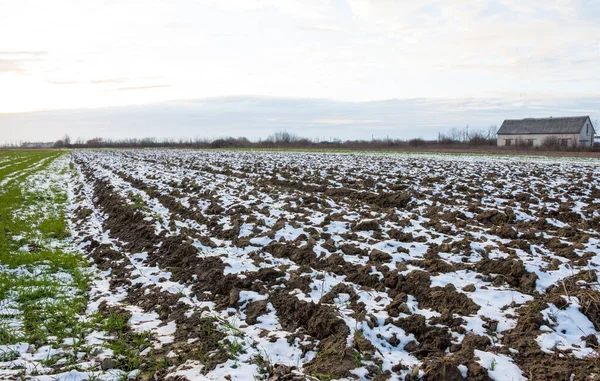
[(292, 266)]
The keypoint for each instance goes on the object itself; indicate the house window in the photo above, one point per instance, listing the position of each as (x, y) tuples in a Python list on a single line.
[(508, 142), (587, 129), (530, 142), (583, 142), (564, 142)]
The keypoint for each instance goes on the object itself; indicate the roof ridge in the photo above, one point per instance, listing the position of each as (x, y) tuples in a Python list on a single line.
[(551, 125), (552, 117)]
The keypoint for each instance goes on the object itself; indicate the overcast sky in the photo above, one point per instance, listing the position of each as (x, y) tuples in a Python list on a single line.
[(347, 68)]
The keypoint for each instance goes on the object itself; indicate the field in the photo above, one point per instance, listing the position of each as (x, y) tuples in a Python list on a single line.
[(239, 265)]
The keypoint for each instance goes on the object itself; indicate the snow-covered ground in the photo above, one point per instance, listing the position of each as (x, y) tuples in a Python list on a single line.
[(251, 265)]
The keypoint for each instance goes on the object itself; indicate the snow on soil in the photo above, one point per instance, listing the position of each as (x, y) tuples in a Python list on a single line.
[(494, 230), (344, 266), (500, 367)]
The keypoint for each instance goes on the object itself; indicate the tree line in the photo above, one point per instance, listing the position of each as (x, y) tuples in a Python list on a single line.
[(455, 138), (283, 139)]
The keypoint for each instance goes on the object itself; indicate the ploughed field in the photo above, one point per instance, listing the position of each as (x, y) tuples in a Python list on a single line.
[(292, 266)]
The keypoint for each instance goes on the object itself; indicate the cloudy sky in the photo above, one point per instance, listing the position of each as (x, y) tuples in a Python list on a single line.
[(347, 68)]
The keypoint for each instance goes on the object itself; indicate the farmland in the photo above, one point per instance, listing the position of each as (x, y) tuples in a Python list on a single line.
[(286, 266)]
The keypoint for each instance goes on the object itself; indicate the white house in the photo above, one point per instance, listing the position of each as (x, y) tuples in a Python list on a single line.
[(37, 145), (571, 131)]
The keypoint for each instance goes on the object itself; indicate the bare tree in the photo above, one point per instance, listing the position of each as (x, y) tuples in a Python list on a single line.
[(94, 143), (456, 134), (283, 137), (492, 132)]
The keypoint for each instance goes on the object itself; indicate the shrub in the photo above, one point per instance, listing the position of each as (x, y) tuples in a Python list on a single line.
[(416, 142)]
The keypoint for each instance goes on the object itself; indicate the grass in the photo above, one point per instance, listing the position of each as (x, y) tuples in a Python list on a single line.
[(234, 347), (137, 201), (126, 349), (265, 365), (8, 355), (114, 322), (53, 228), (128, 345), (22, 163), (40, 278), (7, 335)]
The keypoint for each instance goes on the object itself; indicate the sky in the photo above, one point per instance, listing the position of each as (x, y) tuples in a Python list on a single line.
[(345, 68)]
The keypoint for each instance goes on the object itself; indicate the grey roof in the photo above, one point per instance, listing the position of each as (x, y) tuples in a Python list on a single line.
[(571, 125)]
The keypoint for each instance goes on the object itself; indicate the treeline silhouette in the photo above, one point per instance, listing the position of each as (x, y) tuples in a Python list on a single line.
[(456, 139), (280, 139)]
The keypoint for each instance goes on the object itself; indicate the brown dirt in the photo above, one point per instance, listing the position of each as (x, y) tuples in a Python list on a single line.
[(321, 322), (510, 271), (432, 341), (370, 225), (301, 255), (379, 257), (379, 207), (124, 221), (254, 310), (441, 370), (493, 217), (447, 300)]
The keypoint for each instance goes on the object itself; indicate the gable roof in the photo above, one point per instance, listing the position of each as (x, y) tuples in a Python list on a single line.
[(570, 125)]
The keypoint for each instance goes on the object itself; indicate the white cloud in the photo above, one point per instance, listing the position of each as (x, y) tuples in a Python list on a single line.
[(302, 9), (338, 49)]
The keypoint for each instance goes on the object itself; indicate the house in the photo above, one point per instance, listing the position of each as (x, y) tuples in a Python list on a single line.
[(571, 131)]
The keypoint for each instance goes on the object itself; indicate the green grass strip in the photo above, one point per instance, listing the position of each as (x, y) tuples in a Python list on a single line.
[(44, 282)]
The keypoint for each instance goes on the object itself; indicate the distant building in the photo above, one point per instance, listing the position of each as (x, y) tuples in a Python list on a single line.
[(37, 145), (572, 132)]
